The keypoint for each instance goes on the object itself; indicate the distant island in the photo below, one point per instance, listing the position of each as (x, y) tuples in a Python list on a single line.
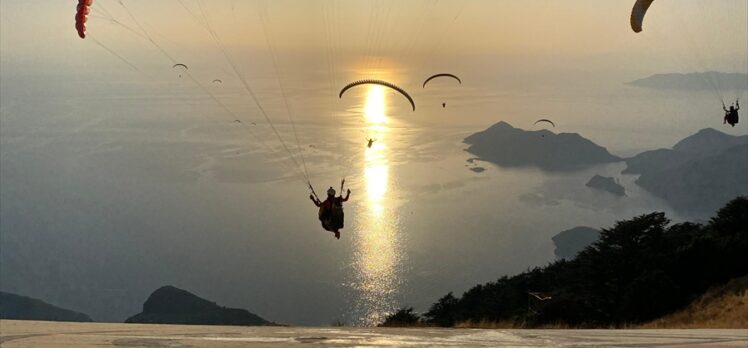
[(694, 81), (699, 174), (17, 307), (170, 305), (696, 176), (607, 184), (570, 242), (506, 146)]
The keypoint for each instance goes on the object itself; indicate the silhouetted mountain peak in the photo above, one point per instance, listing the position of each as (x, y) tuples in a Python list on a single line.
[(172, 300), (171, 305), (498, 128), (503, 125), (708, 140)]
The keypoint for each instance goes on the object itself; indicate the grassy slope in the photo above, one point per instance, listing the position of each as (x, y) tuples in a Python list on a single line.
[(723, 307)]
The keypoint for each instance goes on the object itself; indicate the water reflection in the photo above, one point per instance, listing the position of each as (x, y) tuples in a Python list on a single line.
[(377, 251)]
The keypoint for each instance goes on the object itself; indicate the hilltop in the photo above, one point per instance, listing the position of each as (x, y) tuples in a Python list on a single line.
[(507, 146), (170, 305)]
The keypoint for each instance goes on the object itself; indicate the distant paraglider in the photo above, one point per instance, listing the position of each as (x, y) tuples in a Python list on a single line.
[(81, 16), (637, 14), (441, 75), (545, 120), (218, 81), (444, 105), (381, 83), (181, 66)]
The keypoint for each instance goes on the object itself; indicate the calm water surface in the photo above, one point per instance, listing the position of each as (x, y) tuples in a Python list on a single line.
[(109, 194)]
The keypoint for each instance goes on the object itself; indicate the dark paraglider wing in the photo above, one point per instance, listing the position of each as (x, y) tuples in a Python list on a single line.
[(81, 16), (637, 14), (545, 120), (381, 83), (180, 65), (441, 75)]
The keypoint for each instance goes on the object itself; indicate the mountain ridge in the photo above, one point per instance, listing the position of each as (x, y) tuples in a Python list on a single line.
[(19, 307), (698, 174), (693, 81)]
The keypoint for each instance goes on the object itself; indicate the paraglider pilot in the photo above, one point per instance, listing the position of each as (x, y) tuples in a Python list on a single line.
[(370, 142), (331, 211), (731, 115)]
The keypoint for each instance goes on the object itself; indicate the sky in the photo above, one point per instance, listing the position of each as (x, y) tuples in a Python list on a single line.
[(121, 174), (568, 35), (508, 45)]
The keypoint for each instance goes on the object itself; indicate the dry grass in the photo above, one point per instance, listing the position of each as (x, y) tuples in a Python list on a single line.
[(723, 307)]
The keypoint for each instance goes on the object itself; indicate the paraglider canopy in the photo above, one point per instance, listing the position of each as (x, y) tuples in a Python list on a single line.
[(81, 16), (441, 75), (381, 83), (545, 120), (217, 81), (540, 296), (637, 14)]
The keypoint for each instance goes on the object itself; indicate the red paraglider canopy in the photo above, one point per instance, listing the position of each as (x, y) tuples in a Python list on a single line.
[(81, 15)]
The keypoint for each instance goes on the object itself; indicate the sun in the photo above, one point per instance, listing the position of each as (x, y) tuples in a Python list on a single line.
[(374, 109)]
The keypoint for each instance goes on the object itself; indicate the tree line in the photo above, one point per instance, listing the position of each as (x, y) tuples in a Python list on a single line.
[(638, 270)]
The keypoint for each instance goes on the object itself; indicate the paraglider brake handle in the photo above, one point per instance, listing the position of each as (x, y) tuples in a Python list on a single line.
[(314, 194)]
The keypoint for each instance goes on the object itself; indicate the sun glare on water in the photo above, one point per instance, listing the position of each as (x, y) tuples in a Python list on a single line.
[(374, 109), (377, 254)]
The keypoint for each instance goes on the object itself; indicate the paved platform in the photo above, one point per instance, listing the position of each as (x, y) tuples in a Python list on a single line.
[(55, 334)]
